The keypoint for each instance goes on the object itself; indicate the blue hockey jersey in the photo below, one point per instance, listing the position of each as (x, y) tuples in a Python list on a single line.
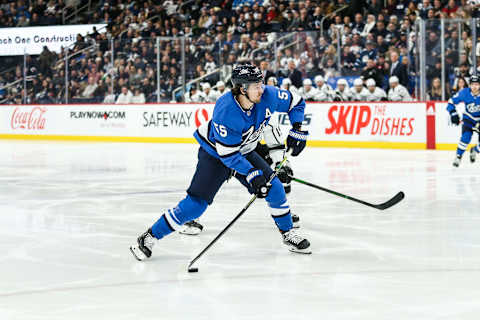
[(472, 106), (233, 131)]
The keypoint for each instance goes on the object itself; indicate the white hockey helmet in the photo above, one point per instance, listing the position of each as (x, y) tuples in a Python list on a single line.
[(393, 79), (205, 86), (371, 82), (220, 84), (318, 78), (286, 81), (307, 82), (357, 82), (342, 81)]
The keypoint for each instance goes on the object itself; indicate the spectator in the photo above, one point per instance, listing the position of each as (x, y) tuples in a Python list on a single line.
[(125, 96), (397, 91), (90, 88), (398, 69), (371, 71), (138, 96), (459, 84), (435, 92)]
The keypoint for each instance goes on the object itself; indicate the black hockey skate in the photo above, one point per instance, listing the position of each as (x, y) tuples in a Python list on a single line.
[(296, 221), (473, 155), (192, 228), (295, 242), (143, 249), (457, 160)]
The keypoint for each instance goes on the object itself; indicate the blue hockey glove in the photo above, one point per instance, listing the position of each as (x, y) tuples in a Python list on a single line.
[(297, 139), (258, 182), (455, 118)]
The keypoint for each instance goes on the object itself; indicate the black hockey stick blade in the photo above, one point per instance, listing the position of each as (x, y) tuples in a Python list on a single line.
[(396, 199), (393, 201)]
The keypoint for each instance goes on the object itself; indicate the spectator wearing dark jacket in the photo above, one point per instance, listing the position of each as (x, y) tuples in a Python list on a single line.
[(397, 68)]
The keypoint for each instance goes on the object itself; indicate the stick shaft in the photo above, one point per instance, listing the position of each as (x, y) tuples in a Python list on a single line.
[(236, 217), (397, 198)]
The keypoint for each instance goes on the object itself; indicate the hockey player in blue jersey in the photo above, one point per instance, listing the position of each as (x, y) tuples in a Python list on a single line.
[(272, 152), (471, 117), (227, 144)]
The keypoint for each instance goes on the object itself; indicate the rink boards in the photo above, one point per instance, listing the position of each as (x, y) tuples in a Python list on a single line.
[(415, 125)]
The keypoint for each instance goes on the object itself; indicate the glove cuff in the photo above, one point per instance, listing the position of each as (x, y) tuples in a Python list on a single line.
[(253, 173)]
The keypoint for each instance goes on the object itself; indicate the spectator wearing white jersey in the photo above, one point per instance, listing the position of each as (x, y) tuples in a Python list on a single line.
[(375, 93), (358, 92), (397, 92)]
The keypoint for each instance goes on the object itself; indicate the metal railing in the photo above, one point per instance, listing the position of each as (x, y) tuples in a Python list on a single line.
[(189, 83), (331, 15), (76, 10)]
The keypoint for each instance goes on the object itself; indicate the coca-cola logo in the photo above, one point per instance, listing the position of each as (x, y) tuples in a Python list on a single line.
[(28, 120)]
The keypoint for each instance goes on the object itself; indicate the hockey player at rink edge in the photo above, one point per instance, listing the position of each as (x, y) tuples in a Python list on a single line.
[(470, 120), (227, 146)]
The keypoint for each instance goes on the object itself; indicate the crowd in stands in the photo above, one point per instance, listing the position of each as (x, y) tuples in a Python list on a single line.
[(376, 38)]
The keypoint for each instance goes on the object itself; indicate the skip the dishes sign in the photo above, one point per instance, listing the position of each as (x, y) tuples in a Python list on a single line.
[(31, 40), (372, 121)]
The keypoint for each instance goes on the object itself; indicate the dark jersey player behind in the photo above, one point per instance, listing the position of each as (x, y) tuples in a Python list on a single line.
[(227, 146)]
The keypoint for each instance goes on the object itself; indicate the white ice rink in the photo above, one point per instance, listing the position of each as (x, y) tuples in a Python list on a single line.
[(69, 211)]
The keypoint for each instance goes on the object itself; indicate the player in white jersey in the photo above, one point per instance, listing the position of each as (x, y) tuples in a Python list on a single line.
[(358, 92), (325, 91), (375, 93), (343, 91), (397, 92), (308, 92), (211, 94)]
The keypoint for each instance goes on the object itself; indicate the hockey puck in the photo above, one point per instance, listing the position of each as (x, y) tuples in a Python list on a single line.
[(192, 269)]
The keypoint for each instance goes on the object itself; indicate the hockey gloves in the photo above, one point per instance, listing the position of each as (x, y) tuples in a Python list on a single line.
[(297, 139), (258, 182), (285, 173), (455, 118)]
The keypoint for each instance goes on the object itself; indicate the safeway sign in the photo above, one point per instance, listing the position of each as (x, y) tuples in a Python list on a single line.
[(351, 121)]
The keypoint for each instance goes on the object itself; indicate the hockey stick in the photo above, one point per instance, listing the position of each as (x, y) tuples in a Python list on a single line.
[(382, 206), (190, 269)]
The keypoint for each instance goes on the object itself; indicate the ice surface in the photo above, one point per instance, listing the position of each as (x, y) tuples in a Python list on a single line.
[(69, 211)]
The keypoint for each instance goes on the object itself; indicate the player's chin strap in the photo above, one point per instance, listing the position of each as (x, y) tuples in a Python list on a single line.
[(244, 87)]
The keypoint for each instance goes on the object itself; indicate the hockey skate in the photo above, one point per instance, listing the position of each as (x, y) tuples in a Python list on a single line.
[(296, 221), (143, 249), (192, 228), (457, 160), (473, 155), (295, 242)]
